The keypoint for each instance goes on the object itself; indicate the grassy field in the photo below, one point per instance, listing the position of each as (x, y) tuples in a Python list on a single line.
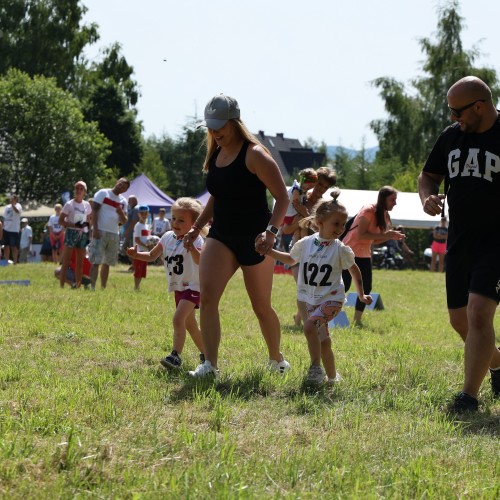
[(87, 412)]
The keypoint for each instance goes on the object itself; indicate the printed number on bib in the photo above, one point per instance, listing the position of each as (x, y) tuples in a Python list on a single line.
[(312, 272), (175, 264)]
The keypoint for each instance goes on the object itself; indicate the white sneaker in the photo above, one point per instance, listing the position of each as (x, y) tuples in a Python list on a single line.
[(315, 375), (331, 381), (281, 367), (205, 370)]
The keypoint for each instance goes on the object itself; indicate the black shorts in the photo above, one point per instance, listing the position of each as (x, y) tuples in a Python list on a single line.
[(471, 273), (243, 247), (11, 239)]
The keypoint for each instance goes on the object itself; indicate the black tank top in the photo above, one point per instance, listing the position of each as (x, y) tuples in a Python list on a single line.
[(240, 202)]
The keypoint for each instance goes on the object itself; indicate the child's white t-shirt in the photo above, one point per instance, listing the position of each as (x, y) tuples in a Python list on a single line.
[(182, 272), (141, 231), (321, 263)]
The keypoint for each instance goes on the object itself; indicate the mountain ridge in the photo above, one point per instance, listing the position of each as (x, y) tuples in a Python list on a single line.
[(370, 153)]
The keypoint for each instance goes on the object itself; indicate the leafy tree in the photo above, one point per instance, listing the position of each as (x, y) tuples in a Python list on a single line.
[(344, 166), (183, 160), (317, 147), (44, 37), (353, 172), (47, 143), (152, 165), (107, 106), (109, 95), (361, 173), (47, 37), (384, 171), (113, 68), (416, 117), (407, 180)]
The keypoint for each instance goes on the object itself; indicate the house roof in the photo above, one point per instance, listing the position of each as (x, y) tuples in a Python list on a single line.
[(289, 154)]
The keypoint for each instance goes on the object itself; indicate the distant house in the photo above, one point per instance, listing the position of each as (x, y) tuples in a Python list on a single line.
[(289, 154)]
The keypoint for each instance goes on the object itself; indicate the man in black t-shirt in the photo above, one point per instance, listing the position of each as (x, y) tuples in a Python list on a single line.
[(467, 156)]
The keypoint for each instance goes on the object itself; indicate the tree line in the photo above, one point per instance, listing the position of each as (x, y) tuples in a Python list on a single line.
[(63, 117)]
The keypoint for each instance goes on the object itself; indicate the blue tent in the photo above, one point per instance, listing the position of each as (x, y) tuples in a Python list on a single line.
[(148, 193), (203, 197)]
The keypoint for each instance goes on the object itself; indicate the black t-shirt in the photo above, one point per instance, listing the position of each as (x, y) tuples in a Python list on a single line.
[(471, 164)]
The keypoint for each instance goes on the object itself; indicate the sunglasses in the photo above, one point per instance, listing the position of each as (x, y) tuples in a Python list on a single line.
[(457, 112)]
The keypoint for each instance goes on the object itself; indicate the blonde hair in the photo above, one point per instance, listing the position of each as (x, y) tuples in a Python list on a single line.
[(325, 208), (194, 207), (243, 132), (57, 205)]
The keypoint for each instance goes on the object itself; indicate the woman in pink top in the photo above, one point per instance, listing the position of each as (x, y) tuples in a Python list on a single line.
[(372, 224)]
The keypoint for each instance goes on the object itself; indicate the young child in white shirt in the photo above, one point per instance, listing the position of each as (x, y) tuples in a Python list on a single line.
[(140, 235), (181, 267), (322, 257)]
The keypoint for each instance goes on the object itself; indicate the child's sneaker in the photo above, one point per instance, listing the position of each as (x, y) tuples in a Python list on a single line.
[(463, 403), (495, 382), (205, 370), (280, 367), (334, 380), (315, 375), (173, 360)]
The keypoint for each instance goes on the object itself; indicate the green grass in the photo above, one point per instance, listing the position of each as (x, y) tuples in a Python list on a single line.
[(86, 411)]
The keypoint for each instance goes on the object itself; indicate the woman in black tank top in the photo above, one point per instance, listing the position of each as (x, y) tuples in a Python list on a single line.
[(239, 171)]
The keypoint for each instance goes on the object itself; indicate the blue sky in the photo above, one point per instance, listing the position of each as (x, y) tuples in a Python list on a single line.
[(301, 68)]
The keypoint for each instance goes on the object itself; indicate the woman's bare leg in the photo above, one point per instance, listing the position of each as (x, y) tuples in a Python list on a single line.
[(217, 266)]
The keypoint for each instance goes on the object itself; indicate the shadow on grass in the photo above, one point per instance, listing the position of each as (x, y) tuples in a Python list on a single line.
[(305, 399), (292, 329), (255, 385), (478, 423)]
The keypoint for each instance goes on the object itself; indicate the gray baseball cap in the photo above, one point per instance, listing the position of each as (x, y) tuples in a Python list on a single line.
[(219, 110)]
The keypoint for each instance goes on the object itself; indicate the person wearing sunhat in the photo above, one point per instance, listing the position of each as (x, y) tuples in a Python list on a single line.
[(239, 170)]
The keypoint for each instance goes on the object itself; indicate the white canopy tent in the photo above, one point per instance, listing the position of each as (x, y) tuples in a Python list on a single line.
[(38, 212), (408, 212)]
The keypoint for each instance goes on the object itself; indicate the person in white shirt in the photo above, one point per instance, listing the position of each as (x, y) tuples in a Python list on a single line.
[(140, 238), (109, 211), (11, 227), (181, 267), (26, 241), (322, 257), (161, 224), (56, 234), (75, 217)]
